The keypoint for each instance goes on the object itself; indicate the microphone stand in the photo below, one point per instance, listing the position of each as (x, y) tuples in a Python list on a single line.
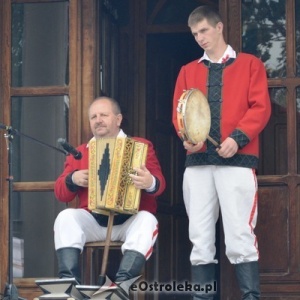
[(11, 292)]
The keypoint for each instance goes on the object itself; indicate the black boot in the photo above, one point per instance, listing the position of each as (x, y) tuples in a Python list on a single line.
[(248, 278), (204, 275), (68, 263), (131, 265)]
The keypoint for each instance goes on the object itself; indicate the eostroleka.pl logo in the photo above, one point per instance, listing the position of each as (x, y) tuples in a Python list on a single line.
[(174, 287), (120, 291)]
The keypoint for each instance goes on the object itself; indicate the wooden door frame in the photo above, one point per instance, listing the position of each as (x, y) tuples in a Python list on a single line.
[(5, 94), (81, 91)]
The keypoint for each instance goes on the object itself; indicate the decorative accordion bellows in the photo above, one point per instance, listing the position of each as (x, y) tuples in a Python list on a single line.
[(111, 160)]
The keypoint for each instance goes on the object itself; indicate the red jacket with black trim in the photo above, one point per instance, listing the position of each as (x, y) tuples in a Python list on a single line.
[(245, 103)]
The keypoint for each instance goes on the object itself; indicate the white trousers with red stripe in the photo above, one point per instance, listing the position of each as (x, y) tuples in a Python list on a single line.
[(231, 190), (74, 227)]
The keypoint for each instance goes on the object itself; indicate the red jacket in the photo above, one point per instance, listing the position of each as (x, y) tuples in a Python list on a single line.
[(148, 200), (245, 106)]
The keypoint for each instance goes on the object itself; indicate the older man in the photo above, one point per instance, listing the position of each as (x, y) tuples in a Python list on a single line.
[(75, 226)]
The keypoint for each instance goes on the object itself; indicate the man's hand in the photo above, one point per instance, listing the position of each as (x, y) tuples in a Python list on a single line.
[(228, 148), (81, 178), (192, 147), (142, 179)]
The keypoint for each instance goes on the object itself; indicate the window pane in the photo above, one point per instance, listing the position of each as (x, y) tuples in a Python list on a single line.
[(109, 53), (33, 251), (45, 120), (275, 137), (173, 11), (40, 44), (264, 33)]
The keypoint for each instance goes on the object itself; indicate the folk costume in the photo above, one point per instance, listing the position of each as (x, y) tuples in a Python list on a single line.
[(237, 93), (74, 227)]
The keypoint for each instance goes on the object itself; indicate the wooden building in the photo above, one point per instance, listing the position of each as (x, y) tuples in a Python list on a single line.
[(57, 55)]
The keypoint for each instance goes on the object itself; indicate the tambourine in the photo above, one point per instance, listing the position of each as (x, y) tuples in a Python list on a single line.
[(193, 117)]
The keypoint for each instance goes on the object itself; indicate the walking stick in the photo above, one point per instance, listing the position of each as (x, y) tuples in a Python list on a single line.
[(110, 224)]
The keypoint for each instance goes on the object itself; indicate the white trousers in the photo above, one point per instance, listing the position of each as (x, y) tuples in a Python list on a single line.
[(74, 227), (231, 190)]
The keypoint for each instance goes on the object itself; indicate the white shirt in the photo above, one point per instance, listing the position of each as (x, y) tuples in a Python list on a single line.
[(229, 53)]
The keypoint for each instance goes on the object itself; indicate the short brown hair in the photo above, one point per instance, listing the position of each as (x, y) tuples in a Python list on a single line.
[(204, 12)]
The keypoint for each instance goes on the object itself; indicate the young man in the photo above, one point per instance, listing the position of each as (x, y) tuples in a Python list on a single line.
[(223, 178), (75, 226)]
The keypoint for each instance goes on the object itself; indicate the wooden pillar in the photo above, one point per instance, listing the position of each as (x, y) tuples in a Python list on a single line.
[(5, 54), (139, 66), (88, 65)]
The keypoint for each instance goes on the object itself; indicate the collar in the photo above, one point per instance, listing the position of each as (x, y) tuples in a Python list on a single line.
[(120, 134), (229, 53)]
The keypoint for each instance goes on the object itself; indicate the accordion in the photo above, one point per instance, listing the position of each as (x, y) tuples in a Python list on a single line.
[(111, 160)]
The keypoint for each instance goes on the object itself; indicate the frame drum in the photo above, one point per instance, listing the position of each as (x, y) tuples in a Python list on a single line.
[(193, 116)]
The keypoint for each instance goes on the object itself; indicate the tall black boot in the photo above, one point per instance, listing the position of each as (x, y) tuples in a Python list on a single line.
[(204, 275), (68, 263), (131, 265), (248, 278)]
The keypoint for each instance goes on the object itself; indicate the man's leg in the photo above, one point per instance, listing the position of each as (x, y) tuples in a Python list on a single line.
[(139, 234), (68, 263), (131, 266), (248, 278), (202, 207), (72, 229), (203, 275), (238, 201)]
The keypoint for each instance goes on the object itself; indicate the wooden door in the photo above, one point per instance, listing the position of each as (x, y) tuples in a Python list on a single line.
[(254, 27), (168, 48)]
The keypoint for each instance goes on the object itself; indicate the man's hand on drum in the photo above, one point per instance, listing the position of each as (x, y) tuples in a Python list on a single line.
[(81, 177), (142, 179), (192, 147), (228, 148)]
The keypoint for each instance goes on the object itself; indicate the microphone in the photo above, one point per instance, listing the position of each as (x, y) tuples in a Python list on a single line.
[(2, 126), (70, 149), (9, 129)]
